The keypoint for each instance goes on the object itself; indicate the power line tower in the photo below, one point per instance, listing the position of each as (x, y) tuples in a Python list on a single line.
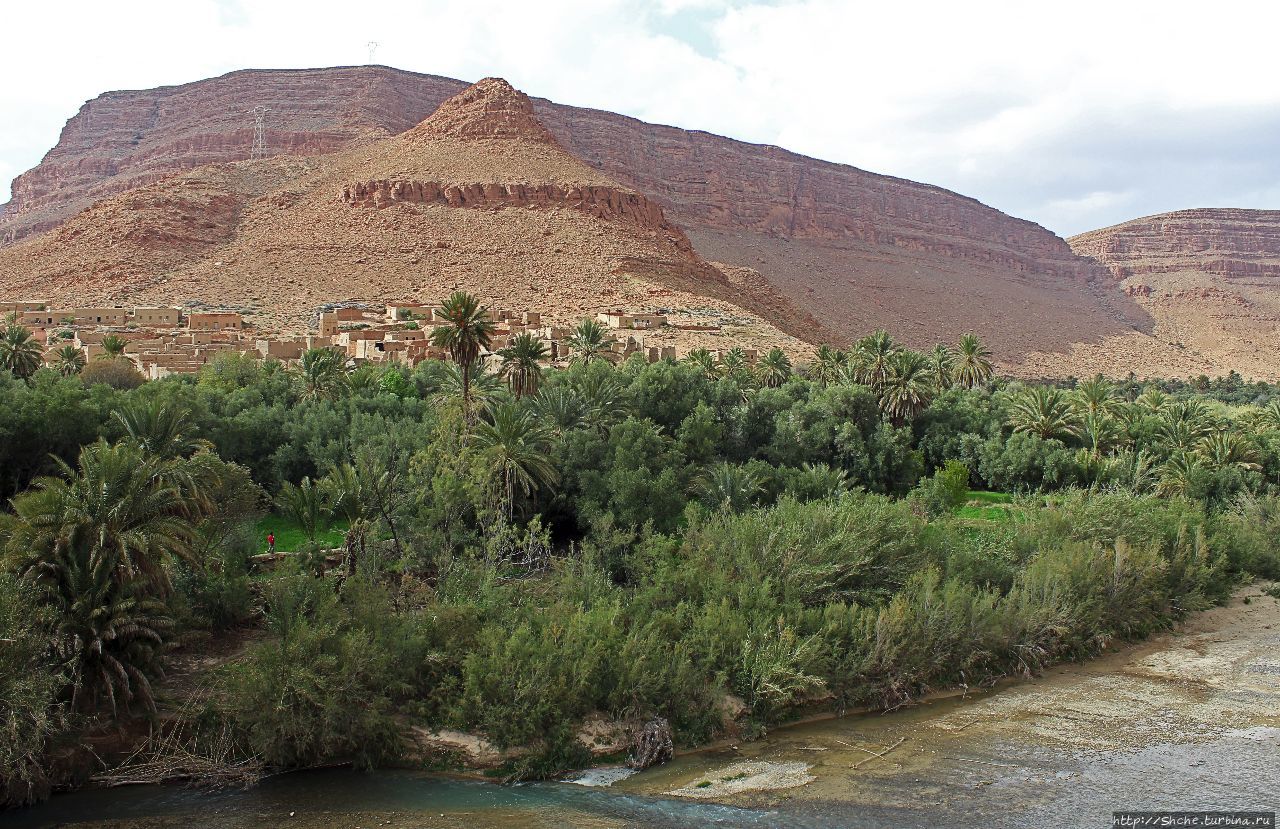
[(373, 51), (259, 132)]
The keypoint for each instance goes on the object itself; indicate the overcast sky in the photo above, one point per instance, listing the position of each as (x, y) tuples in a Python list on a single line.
[(1074, 115)]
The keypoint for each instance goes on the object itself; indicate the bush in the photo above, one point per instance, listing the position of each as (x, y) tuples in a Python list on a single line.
[(118, 373)]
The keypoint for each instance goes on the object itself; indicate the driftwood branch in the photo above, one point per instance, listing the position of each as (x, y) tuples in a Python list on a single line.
[(215, 762), (875, 756)]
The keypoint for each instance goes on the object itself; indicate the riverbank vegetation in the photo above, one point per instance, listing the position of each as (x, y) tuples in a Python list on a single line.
[(507, 549)]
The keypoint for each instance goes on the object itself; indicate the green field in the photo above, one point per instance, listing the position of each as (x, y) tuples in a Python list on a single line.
[(989, 506), (290, 537)]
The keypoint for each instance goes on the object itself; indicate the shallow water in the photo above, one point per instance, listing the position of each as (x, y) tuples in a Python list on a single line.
[(1188, 721)]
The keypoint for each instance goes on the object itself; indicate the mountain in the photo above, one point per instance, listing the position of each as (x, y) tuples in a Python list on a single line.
[(852, 249), (1210, 279), (478, 196)]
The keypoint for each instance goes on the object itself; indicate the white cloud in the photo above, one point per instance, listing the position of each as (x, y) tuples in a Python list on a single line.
[(1034, 108)]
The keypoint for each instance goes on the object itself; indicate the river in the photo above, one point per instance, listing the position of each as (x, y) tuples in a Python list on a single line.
[(1189, 720)]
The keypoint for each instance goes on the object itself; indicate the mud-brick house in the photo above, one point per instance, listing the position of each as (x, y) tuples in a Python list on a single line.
[(617, 318), (214, 321), (158, 317)]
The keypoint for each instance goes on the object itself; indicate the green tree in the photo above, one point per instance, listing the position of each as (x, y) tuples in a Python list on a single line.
[(728, 486), (518, 449), (322, 374), (1043, 411), (587, 343), (466, 332), (1097, 397), (774, 369), (112, 347), (1223, 450), (907, 387), (829, 367), (871, 357), (68, 360), (307, 505), (19, 353), (973, 362), (522, 364), (118, 506), (703, 359), (942, 364)]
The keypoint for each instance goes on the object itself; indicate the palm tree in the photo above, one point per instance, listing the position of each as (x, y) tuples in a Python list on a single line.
[(467, 331), (518, 448), (733, 363), (1045, 411), (1100, 432), (1221, 450), (871, 355), (774, 369), (973, 362), (485, 390), (704, 360), (123, 505), (307, 505), (561, 408), (729, 487), (603, 398), (587, 342), (907, 386), (1183, 424), (942, 363), (522, 363), (1178, 473), (1152, 400), (1268, 416), (160, 430), (112, 347), (108, 630), (829, 366), (351, 495), (19, 353), (323, 374), (1098, 397), (68, 359)]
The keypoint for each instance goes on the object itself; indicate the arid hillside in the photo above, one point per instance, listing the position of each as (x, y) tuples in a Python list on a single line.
[(1209, 278), (849, 249), (479, 196)]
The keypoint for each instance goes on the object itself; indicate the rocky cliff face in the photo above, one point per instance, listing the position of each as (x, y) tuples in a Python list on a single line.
[(854, 249), (1210, 278)]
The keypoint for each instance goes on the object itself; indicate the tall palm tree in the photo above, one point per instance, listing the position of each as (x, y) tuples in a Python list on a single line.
[(1045, 411), (108, 630), (519, 449), (907, 386), (355, 493), (466, 332), (942, 362), (973, 362), (19, 353), (774, 369), (323, 374), (1097, 396), (1183, 424), (870, 359), (703, 359), (729, 487), (733, 363), (522, 363), (588, 342), (829, 367), (112, 347), (1099, 431), (68, 359), (125, 506), (486, 390)]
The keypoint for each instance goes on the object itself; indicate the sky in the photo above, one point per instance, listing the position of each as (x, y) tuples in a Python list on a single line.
[(1074, 115)]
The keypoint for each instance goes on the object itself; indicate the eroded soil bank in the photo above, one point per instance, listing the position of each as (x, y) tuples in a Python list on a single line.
[(1189, 720)]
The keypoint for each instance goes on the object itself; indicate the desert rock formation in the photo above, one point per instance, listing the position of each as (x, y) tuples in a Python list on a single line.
[(853, 249), (1210, 278)]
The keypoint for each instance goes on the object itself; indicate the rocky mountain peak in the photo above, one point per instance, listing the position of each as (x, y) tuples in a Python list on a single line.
[(489, 108)]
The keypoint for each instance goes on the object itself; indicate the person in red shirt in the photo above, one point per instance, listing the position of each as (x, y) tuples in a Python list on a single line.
[(271, 542)]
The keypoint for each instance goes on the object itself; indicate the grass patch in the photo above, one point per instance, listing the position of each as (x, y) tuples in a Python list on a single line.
[(990, 506), (290, 538)]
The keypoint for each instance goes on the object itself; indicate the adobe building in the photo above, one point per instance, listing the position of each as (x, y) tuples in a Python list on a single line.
[(158, 317), (617, 318), (214, 321)]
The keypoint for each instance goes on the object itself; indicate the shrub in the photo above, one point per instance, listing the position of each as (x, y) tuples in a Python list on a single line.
[(118, 373)]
